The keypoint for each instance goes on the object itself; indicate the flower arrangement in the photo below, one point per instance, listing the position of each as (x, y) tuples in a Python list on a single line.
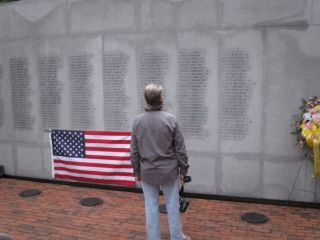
[(307, 128)]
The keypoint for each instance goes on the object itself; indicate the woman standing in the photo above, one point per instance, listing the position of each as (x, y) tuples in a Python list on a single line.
[(159, 158)]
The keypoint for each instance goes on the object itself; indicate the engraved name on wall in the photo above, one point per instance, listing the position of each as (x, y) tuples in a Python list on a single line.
[(21, 93), (82, 109), (193, 79), (152, 68), (50, 91), (235, 93)]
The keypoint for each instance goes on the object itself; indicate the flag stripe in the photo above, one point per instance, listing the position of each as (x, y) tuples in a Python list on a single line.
[(90, 164), (107, 157), (95, 169), (109, 154), (94, 176), (103, 145), (107, 141), (102, 149), (91, 180), (130, 174), (102, 161), (104, 137), (113, 133)]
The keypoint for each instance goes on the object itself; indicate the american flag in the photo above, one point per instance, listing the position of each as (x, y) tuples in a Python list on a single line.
[(92, 156)]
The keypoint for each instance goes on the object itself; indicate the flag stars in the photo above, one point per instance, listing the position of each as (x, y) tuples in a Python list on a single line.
[(68, 143)]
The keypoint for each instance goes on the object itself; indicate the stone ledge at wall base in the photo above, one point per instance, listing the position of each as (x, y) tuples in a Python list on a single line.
[(1, 171)]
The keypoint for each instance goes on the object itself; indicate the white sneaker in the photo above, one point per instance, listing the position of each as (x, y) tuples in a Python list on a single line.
[(185, 237)]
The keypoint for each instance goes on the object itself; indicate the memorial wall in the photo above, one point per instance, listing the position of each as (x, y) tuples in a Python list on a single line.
[(233, 72)]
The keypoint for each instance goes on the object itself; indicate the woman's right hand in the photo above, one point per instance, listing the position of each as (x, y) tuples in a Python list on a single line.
[(181, 177), (137, 181)]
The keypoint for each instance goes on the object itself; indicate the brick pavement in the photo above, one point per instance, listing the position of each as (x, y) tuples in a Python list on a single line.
[(57, 215)]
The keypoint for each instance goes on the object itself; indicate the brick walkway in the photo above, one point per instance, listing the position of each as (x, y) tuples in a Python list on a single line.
[(57, 215)]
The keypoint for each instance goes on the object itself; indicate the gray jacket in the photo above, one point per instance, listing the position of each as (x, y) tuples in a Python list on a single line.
[(158, 151)]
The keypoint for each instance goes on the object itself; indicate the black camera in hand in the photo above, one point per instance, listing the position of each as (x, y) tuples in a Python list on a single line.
[(187, 179), (184, 203)]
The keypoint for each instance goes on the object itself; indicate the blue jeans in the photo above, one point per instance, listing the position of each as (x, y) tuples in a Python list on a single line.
[(151, 198)]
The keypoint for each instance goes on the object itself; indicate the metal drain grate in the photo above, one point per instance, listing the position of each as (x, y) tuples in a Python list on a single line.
[(253, 217), (29, 192), (91, 201)]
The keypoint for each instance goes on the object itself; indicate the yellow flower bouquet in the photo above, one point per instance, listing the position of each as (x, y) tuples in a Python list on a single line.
[(307, 128)]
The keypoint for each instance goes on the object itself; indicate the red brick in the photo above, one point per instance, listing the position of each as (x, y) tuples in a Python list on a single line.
[(57, 214)]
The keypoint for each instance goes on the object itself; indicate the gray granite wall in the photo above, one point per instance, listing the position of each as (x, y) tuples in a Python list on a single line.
[(233, 72)]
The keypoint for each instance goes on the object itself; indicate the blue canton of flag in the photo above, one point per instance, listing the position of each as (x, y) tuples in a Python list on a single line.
[(68, 143)]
